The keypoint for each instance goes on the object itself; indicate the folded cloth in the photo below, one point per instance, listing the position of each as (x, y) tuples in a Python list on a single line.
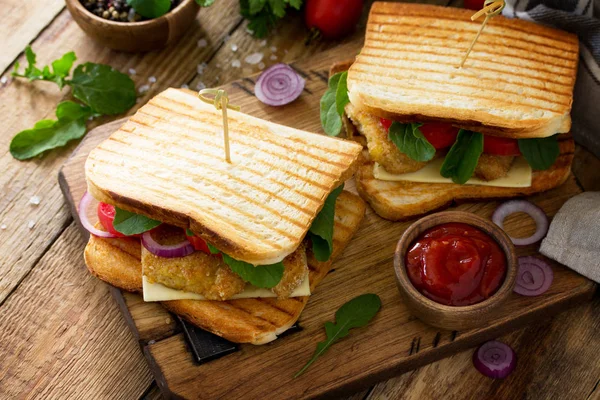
[(576, 16), (574, 235)]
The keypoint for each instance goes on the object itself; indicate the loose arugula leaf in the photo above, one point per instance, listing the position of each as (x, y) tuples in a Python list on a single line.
[(150, 8), (105, 90), (333, 102), (129, 223), (409, 140), (321, 230), (463, 156), (60, 68), (264, 276), (540, 153), (205, 3), (354, 314), (49, 134)]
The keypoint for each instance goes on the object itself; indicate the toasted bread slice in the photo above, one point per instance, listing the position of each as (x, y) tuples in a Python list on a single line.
[(257, 321), (167, 162), (402, 200), (517, 82)]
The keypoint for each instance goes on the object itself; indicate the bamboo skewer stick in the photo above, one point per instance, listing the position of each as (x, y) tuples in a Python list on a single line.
[(490, 9), (221, 102)]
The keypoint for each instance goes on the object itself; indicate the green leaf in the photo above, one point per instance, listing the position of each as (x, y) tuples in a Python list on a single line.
[(105, 90), (321, 230), (331, 117), (213, 249), (356, 313), (256, 6), (150, 8), (50, 134), (277, 7), (540, 153), (205, 3), (295, 3), (463, 156), (264, 276), (129, 223), (410, 141), (31, 71), (61, 68), (189, 233)]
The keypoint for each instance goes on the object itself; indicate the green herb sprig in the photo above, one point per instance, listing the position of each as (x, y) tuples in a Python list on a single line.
[(333, 103), (410, 140), (101, 89), (462, 159), (262, 15), (321, 230), (356, 313)]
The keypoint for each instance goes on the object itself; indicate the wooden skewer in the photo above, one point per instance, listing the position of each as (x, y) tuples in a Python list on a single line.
[(490, 9), (221, 102)]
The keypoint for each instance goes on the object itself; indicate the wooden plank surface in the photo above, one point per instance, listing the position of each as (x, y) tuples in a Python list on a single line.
[(385, 349), (22, 104)]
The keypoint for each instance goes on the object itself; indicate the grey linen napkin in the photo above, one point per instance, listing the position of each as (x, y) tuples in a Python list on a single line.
[(581, 18), (574, 235)]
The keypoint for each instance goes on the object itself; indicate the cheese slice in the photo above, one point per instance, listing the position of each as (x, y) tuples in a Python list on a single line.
[(159, 292), (519, 175)]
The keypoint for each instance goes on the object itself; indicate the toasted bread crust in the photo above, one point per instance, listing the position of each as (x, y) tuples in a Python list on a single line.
[(167, 163), (256, 321), (517, 82), (403, 200)]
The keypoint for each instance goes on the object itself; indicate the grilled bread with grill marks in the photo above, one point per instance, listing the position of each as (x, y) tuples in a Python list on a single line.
[(517, 82), (167, 163), (257, 321)]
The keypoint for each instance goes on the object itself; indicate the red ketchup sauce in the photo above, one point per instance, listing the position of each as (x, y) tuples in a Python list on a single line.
[(456, 264)]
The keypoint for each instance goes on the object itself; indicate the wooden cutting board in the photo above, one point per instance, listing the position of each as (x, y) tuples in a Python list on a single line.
[(393, 343)]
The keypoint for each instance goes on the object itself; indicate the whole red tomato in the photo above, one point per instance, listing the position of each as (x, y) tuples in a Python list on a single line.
[(333, 18), (474, 4)]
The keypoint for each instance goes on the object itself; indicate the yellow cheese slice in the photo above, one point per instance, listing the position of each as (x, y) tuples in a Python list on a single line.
[(519, 175), (159, 292)]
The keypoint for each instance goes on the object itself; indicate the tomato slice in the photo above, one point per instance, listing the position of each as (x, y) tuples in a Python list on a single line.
[(440, 135), (386, 123), (199, 244), (106, 215), (500, 146)]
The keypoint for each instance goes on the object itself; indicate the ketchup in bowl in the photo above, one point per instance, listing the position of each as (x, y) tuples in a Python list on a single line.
[(456, 264)]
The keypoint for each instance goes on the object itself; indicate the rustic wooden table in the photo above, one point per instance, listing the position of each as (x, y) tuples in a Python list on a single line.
[(61, 333)]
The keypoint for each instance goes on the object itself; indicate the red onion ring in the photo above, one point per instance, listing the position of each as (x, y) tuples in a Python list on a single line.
[(495, 359), (181, 249), (534, 276), (514, 206), (278, 85), (84, 204)]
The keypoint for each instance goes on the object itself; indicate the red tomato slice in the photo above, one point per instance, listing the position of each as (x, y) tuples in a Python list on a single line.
[(106, 215), (500, 146), (440, 135), (199, 244), (386, 123)]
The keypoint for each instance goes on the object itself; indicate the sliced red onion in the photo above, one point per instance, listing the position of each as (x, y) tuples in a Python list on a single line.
[(279, 85), (514, 206), (534, 276), (84, 204), (495, 359), (181, 249)]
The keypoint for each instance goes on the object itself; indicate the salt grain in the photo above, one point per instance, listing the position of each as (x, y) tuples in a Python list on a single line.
[(254, 58), (184, 86), (3, 80), (273, 49), (263, 43), (200, 86), (249, 31), (202, 43), (200, 68), (132, 71), (273, 57), (31, 224), (3, 226), (143, 89), (152, 79), (236, 64), (234, 48), (35, 200), (261, 66)]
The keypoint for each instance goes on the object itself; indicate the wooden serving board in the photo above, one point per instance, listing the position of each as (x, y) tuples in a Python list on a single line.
[(394, 342)]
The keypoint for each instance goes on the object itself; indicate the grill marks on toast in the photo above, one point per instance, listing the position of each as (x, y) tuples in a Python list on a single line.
[(519, 76), (168, 161)]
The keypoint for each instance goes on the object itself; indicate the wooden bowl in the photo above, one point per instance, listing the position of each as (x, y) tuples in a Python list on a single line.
[(136, 36), (454, 317)]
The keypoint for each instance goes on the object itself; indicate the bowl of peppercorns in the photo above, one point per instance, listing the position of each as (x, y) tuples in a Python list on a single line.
[(117, 24)]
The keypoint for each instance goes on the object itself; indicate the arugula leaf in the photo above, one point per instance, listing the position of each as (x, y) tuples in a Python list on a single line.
[(264, 276), (463, 156), (321, 230), (410, 141), (104, 89), (213, 249), (60, 68), (49, 134), (540, 153), (150, 8), (205, 3), (356, 313), (129, 223), (333, 102)]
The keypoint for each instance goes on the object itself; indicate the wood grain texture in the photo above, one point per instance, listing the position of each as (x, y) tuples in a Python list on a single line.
[(63, 336), (394, 342), (22, 21)]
